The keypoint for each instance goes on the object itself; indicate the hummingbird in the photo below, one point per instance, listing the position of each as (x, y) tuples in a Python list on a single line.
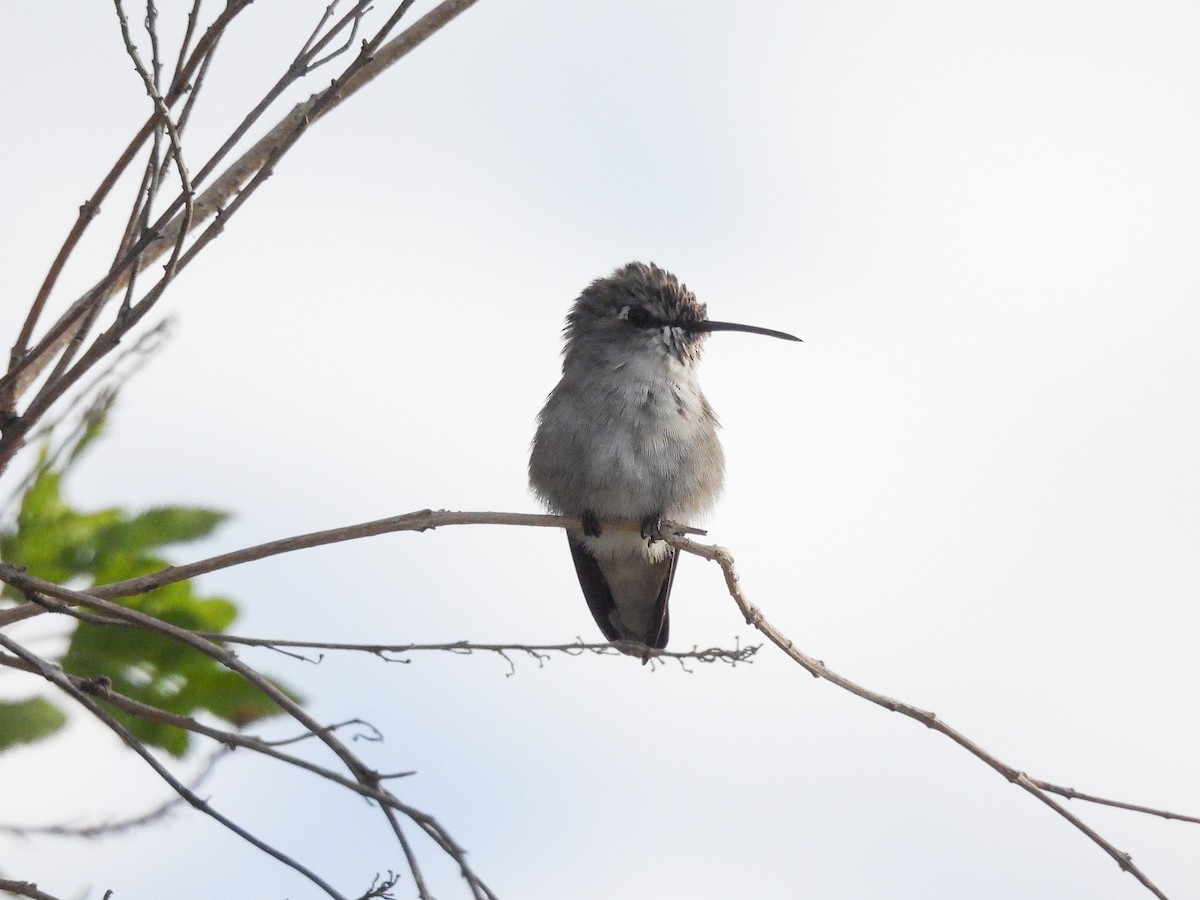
[(628, 436)]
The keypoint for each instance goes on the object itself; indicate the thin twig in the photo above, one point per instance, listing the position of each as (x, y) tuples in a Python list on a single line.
[(539, 652), (1072, 794), (422, 520), (55, 675), (151, 24), (316, 32), (144, 198), (106, 383), (184, 45), (428, 519), (219, 201), (228, 738), (355, 17), (25, 363), (150, 82), (138, 213), (818, 669), (300, 67), (194, 89), (25, 889), (62, 600), (118, 826), (225, 737)]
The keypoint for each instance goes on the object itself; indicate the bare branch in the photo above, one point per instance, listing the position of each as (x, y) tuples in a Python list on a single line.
[(117, 826), (96, 394), (818, 669), (55, 675), (1072, 794), (539, 652), (150, 82), (147, 192), (23, 363), (25, 889), (184, 44), (381, 887), (61, 599), (368, 783), (422, 520), (307, 60), (219, 202), (300, 67), (228, 738)]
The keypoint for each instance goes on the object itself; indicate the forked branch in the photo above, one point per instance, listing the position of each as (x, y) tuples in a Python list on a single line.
[(818, 669), (223, 197), (58, 599)]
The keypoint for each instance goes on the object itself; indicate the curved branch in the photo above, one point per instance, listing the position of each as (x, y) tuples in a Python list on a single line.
[(55, 675), (60, 599), (218, 202), (539, 652), (24, 889), (1072, 794), (24, 365), (423, 520), (225, 737), (818, 669), (119, 825)]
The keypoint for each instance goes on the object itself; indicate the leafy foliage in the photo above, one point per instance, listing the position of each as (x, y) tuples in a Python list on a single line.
[(59, 543), (25, 721)]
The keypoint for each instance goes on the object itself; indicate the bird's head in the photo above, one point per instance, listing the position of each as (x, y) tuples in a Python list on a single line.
[(642, 308)]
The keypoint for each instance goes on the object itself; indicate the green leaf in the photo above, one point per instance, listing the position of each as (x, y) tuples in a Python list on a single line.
[(43, 500), (60, 543), (26, 721), (165, 673), (156, 527), (230, 697), (52, 540)]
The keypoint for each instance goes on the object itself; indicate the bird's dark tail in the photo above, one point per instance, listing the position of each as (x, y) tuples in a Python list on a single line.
[(634, 616)]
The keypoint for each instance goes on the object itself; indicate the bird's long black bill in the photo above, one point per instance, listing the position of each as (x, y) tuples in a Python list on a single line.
[(706, 325)]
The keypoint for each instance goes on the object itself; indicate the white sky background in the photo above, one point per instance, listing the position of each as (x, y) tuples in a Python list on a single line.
[(974, 486)]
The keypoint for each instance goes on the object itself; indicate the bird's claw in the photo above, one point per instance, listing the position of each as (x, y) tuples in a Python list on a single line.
[(591, 524), (651, 528)]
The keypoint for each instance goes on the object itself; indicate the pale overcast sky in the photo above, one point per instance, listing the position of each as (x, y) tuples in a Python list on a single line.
[(974, 487)]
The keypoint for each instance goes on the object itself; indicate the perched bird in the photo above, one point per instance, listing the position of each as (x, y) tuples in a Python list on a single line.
[(628, 436)]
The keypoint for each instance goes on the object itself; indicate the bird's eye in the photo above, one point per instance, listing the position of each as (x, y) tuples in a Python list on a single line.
[(638, 317)]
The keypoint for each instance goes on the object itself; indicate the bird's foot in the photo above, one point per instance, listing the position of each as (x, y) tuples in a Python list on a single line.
[(651, 528), (591, 524)]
